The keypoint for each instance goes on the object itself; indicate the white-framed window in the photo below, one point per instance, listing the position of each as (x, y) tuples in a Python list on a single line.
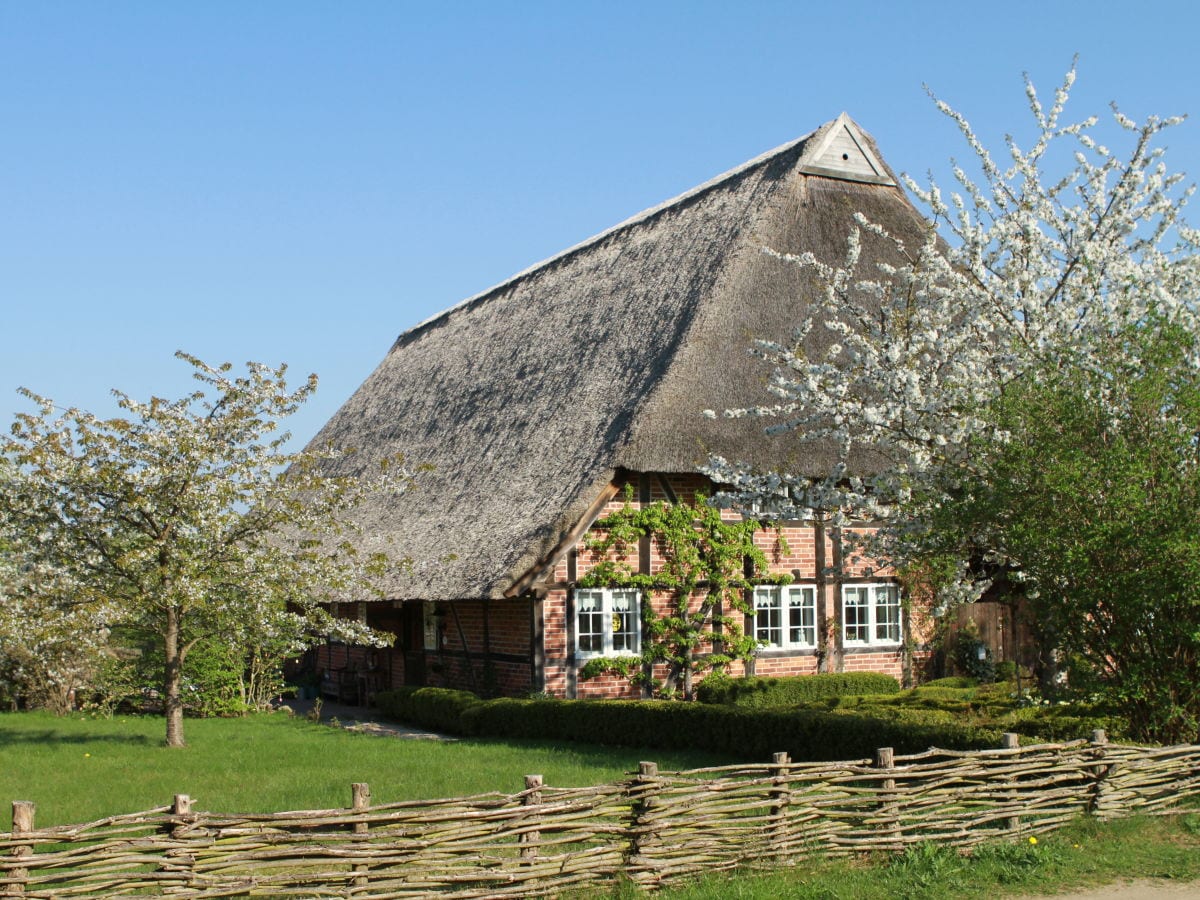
[(786, 617), (870, 615), (607, 622)]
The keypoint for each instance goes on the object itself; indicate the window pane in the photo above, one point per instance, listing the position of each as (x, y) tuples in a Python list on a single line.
[(590, 622), (768, 620), (887, 614), (624, 622), (591, 632), (856, 612), (802, 617)]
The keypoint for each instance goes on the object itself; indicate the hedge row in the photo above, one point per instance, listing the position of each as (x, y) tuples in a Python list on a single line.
[(747, 734), (776, 693), (439, 709)]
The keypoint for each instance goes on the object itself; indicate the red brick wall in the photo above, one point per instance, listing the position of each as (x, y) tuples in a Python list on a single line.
[(792, 548), (484, 647)]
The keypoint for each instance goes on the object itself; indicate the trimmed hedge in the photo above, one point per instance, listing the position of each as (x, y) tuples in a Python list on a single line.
[(776, 693), (439, 709), (1066, 723), (751, 734), (746, 734), (837, 727)]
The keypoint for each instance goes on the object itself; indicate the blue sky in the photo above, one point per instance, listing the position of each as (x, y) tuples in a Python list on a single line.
[(301, 182)]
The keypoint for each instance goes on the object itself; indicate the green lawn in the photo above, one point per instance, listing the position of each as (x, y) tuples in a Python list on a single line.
[(1086, 853), (78, 769)]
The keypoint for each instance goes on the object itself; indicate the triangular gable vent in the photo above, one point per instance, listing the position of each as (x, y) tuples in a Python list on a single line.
[(843, 152)]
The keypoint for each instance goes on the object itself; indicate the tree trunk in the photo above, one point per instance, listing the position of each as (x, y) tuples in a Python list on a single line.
[(687, 674), (173, 679)]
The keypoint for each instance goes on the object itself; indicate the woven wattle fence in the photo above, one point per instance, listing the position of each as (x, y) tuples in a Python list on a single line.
[(651, 827)]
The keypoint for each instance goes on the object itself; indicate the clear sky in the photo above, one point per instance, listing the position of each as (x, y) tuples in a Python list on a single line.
[(301, 182)]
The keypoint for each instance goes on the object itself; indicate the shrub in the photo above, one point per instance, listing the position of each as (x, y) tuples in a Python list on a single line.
[(851, 727), (749, 734), (953, 681), (1066, 722), (440, 709), (775, 693)]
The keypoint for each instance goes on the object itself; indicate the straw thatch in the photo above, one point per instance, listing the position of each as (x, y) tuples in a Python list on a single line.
[(530, 398)]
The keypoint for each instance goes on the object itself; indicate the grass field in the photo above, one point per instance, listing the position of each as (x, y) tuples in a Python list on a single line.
[(77, 769), (1086, 853)]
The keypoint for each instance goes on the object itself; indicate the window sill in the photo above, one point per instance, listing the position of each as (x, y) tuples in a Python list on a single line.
[(872, 647)]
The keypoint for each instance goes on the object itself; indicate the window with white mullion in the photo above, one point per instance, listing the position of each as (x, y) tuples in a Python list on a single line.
[(870, 615), (802, 616), (589, 622), (607, 622), (785, 618), (624, 621), (887, 614)]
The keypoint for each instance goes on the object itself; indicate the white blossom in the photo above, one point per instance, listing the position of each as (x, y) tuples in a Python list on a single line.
[(1023, 266)]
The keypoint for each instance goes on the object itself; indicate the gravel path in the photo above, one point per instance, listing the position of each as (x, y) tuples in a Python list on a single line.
[(359, 718), (1137, 889)]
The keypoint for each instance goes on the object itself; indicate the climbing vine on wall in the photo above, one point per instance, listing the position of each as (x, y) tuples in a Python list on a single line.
[(708, 565)]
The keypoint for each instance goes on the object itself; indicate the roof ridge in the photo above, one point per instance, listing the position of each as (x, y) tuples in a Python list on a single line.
[(635, 219)]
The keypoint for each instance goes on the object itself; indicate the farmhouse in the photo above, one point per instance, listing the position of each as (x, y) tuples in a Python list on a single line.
[(546, 401)]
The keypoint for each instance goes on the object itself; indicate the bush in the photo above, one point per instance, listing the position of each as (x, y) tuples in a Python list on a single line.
[(1067, 722), (775, 693), (954, 681), (847, 728), (748, 734), (439, 709)]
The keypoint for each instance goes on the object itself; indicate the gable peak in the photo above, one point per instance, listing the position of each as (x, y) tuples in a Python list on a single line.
[(840, 149)]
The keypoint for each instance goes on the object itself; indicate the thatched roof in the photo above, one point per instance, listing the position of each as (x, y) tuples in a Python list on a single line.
[(528, 398)]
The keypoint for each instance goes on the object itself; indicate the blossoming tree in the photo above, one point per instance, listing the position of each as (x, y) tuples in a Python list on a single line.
[(188, 518), (1070, 258)]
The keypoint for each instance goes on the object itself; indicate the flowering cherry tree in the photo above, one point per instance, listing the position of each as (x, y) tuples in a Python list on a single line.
[(188, 518), (50, 648), (1045, 262)]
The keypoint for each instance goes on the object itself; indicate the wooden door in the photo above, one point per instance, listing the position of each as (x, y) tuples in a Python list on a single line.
[(412, 640)]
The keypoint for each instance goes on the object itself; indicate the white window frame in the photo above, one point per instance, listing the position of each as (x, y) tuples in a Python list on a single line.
[(883, 597), (783, 600), (607, 614)]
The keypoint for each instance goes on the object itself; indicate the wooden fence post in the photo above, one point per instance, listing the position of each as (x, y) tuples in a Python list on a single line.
[(529, 840), (23, 812), (781, 797), (1100, 773), (643, 831), (1011, 741), (889, 811), (360, 794), (178, 859)]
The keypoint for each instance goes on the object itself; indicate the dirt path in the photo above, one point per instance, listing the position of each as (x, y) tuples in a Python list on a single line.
[(1137, 889), (358, 718)]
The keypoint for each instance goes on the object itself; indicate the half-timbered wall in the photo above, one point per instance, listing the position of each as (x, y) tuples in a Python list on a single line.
[(514, 646), (483, 646), (810, 552)]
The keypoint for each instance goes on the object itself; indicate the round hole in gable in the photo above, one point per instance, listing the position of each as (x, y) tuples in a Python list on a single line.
[(845, 156)]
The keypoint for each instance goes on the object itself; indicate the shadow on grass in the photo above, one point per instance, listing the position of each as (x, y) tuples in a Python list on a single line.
[(50, 738)]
